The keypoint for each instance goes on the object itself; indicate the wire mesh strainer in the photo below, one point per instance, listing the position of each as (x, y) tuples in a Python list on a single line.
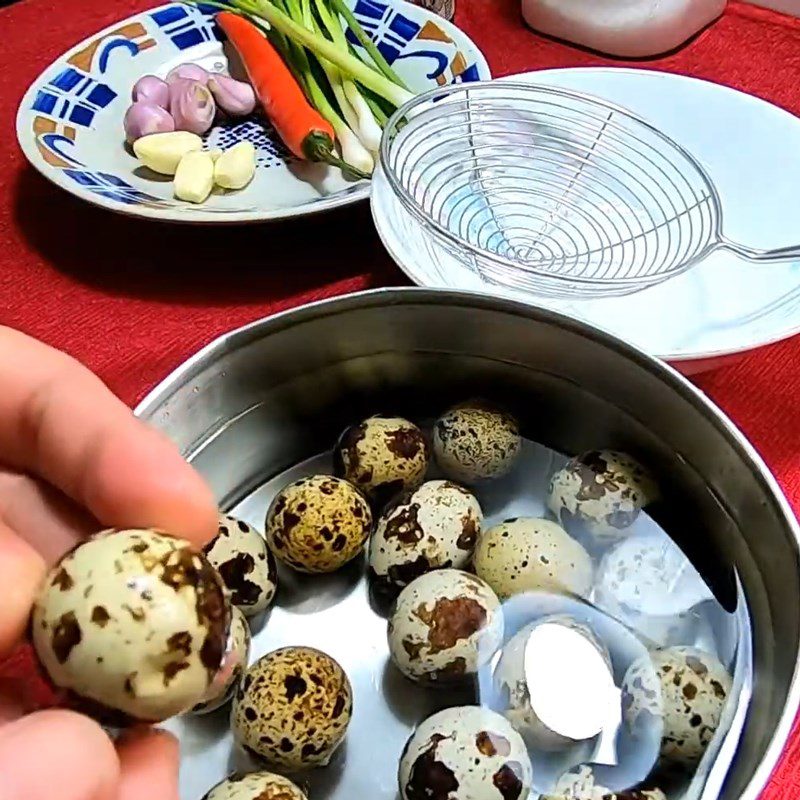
[(554, 191)]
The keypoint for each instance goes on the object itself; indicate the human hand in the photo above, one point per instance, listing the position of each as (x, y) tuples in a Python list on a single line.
[(74, 459)]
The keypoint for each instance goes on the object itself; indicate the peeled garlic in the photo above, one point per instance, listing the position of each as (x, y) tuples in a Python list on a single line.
[(215, 153), (194, 178), (235, 168), (162, 152)]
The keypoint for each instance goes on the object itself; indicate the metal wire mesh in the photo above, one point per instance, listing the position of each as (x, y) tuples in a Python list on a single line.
[(549, 190)]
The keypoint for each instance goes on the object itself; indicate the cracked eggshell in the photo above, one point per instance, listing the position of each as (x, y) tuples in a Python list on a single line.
[(318, 524), (240, 555), (292, 708), (510, 678), (687, 692), (133, 622), (465, 753), (446, 625), (600, 494), (529, 554), (581, 785), (382, 456), (476, 441), (433, 527), (237, 657), (255, 786)]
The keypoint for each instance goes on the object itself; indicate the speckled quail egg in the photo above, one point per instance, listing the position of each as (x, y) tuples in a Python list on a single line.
[(599, 495), (134, 623), (255, 786), (292, 708), (511, 679), (318, 524), (433, 527), (445, 626), (382, 456), (529, 554), (581, 785), (240, 555), (476, 441), (648, 583), (465, 753), (237, 657), (686, 689)]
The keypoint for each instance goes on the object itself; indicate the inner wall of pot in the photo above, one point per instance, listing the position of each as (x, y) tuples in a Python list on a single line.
[(274, 401)]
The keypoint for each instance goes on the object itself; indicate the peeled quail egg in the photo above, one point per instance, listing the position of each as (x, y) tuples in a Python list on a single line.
[(684, 687), (465, 753), (600, 493), (255, 786), (648, 583), (446, 625), (133, 622), (581, 785), (240, 555), (433, 527), (318, 524), (510, 677), (382, 456), (475, 441), (237, 656), (292, 708), (528, 554)]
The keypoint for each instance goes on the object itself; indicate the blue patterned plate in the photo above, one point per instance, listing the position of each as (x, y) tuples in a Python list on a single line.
[(69, 124)]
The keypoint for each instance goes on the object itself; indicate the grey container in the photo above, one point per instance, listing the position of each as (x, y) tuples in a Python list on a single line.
[(261, 399)]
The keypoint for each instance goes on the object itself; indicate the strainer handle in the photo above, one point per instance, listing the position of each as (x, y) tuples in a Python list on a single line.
[(790, 253)]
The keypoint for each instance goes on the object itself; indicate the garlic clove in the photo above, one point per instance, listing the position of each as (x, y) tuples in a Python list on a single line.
[(234, 97), (162, 152), (235, 168), (192, 106), (194, 178), (215, 153), (144, 118)]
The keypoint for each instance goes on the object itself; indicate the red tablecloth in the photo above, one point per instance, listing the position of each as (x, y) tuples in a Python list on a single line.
[(133, 299)]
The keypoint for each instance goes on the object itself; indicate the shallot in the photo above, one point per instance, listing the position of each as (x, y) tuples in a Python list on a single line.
[(152, 89), (234, 97), (143, 118), (192, 106), (190, 72)]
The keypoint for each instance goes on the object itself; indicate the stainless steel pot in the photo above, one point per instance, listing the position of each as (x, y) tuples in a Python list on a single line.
[(263, 398)]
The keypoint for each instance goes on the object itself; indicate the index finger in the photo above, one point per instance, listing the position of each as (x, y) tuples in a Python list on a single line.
[(59, 421)]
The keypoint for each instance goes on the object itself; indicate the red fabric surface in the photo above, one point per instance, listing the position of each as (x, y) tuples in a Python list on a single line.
[(133, 299)]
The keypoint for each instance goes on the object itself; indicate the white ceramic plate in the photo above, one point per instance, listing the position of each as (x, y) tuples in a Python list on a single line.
[(69, 123), (718, 309)]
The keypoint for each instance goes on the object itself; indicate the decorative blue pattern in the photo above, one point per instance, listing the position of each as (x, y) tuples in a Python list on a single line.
[(270, 151), (388, 28), (73, 97), (187, 26), (126, 44), (113, 187)]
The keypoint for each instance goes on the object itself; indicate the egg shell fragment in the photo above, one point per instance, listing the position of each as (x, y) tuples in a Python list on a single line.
[(581, 785), (433, 527), (476, 441), (528, 554), (445, 626), (241, 556), (133, 622), (465, 753), (318, 524), (292, 708), (237, 657), (599, 495), (687, 693), (382, 456), (255, 786)]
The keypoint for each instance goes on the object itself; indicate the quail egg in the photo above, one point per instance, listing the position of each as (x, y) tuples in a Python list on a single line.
[(529, 554), (237, 656), (581, 785), (686, 689), (599, 495), (382, 456), (255, 786), (445, 626), (465, 753), (246, 565), (134, 623), (475, 441), (510, 677), (648, 583), (292, 708), (433, 527), (318, 524)]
